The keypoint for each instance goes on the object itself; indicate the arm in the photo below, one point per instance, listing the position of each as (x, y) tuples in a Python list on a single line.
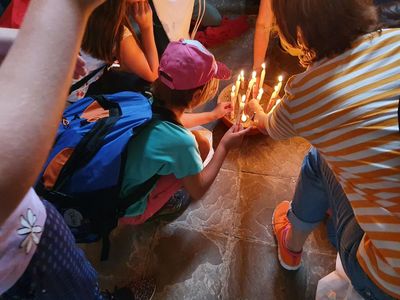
[(197, 185), (190, 120), (7, 38), (34, 81), (262, 32), (142, 62)]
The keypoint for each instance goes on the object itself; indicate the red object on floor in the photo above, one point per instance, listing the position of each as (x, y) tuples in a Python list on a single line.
[(229, 29), (14, 14)]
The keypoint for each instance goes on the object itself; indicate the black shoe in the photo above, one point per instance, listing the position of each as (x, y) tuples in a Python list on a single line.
[(175, 206), (138, 290)]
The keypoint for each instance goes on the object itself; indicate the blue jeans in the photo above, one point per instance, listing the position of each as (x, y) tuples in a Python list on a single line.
[(317, 190)]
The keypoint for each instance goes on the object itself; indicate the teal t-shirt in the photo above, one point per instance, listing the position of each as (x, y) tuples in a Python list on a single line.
[(161, 148)]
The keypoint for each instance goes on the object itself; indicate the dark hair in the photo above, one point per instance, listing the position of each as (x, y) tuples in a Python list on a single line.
[(185, 99), (105, 30), (323, 28)]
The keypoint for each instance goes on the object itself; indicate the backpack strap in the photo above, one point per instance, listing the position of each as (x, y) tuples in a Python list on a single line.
[(84, 80), (90, 143)]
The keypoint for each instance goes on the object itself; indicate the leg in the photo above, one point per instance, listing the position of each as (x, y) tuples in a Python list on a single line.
[(309, 204), (202, 142), (293, 223), (58, 269)]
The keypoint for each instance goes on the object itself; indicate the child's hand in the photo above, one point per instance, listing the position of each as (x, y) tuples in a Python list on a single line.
[(222, 109), (142, 14), (233, 137)]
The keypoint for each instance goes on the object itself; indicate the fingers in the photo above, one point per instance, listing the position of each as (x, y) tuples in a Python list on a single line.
[(141, 8), (135, 8)]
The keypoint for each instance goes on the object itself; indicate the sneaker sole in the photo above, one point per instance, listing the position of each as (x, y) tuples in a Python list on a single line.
[(285, 266)]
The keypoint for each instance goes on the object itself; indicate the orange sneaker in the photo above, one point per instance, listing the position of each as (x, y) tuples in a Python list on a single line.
[(289, 260)]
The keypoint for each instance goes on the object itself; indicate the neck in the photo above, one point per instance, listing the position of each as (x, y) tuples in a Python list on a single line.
[(178, 112)]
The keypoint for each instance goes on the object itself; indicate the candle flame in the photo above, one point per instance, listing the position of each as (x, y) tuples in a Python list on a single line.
[(242, 73), (261, 91), (263, 65), (254, 75), (244, 118), (233, 88), (280, 78), (243, 98)]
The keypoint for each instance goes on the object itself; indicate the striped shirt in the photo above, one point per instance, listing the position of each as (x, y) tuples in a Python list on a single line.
[(346, 107)]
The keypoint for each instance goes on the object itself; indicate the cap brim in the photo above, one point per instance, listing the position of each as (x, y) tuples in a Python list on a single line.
[(223, 72)]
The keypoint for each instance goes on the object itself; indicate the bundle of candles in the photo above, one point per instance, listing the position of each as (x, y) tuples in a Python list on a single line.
[(240, 94)]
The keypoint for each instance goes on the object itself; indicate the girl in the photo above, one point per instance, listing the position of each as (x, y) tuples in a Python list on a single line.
[(189, 77), (110, 37), (345, 104)]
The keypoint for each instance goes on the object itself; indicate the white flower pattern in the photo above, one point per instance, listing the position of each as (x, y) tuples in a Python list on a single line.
[(29, 229)]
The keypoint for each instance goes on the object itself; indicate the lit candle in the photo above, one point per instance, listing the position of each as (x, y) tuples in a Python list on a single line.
[(237, 86), (233, 100), (262, 77), (242, 79), (244, 118), (251, 84), (279, 86), (241, 109), (260, 94)]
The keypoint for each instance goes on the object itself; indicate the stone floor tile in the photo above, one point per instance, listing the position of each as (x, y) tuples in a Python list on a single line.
[(187, 264), (255, 273), (214, 212)]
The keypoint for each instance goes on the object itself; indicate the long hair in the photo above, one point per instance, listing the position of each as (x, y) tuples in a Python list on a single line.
[(105, 29), (323, 28)]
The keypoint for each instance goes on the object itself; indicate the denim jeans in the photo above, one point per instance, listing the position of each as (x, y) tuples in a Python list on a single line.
[(317, 190)]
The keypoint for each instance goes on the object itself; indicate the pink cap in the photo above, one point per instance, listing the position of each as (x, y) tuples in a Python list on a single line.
[(186, 65)]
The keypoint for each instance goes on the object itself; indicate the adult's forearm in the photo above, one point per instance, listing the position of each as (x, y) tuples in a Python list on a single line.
[(34, 80), (150, 49), (261, 41)]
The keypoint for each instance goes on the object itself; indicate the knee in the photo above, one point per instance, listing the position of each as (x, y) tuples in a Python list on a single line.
[(203, 144)]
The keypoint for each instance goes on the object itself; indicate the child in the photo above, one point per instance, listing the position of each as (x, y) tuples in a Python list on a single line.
[(188, 77), (110, 37), (345, 104)]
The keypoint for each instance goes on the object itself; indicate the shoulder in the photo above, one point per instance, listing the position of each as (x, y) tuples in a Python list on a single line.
[(173, 135)]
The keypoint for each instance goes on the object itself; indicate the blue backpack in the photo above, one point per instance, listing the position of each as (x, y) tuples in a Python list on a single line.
[(83, 174)]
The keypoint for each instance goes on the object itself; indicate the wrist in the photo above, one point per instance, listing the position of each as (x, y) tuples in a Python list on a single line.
[(145, 29), (223, 149)]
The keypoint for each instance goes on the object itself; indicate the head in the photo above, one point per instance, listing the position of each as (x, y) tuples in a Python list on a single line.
[(188, 76), (323, 28), (105, 29)]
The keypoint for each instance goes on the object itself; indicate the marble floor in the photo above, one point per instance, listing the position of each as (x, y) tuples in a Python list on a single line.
[(222, 247)]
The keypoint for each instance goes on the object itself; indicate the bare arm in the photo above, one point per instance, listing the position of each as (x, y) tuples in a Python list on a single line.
[(34, 80), (141, 61), (262, 32), (190, 120), (197, 185)]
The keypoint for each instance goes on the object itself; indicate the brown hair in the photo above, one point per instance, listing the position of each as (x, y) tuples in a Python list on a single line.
[(185, 99), (105, 30), (323, 28)]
